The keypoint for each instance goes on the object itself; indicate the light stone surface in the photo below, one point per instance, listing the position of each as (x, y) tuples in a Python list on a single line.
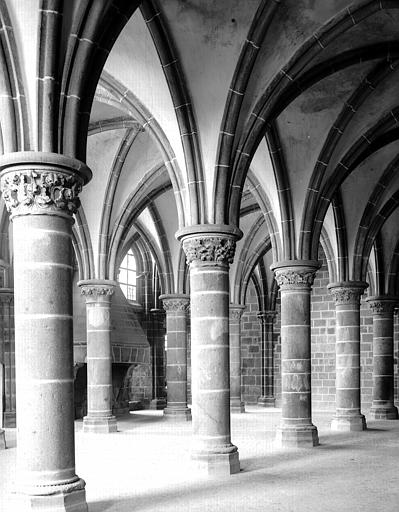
[(295, 279), (348, 416), (383, 406), (236, 403), (176, 307), (98, 295)]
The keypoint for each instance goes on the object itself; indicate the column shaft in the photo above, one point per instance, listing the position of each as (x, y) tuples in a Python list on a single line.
[(41, 200), (176, 357), (99, 417), (236, 403), (267, 398), (348, 415), (295, 279), (209, 255), (158, 358), (382, 406)]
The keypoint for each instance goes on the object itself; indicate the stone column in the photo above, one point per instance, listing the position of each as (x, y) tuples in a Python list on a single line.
[(40, 191), (8, 350), (347, 332), (176, 307), (98, 294), (295, 279), (236, 403), (158, 358), (382, 407), (209, 250), (267, 318)]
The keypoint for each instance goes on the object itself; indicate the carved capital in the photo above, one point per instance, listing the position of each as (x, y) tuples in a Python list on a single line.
[(236, 312), (32, 191), (175, 303), (347, 292), (209, 242), (33, 183), (6, 295), (213, 248), (96, 290), (382, 305)]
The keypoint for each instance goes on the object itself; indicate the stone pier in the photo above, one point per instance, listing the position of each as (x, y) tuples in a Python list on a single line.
[(98, 295), (295, 279), (382, 407), (176, 307), (157, 338), (267, 398), (40, 191), (348, 414), (236, 403), (210, 250)]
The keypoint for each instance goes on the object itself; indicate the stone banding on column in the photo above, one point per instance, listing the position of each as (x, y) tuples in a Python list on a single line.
[(236, 403), (98, 295), (209, 250), (295, 279), (157, 317), (348, 416), (176, 307), (267, 319), (40, 191), (382, 406)]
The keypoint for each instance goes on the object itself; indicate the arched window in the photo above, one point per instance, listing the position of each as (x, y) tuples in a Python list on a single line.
[(127, 276)]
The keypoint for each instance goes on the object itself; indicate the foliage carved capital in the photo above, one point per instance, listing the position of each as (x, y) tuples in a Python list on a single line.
[(347, 292), (383, 306), (218, 249), (175, 304)]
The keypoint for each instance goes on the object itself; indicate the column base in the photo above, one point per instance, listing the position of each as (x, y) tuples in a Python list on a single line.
[(349, 423), (171, 414), (378, 412), (297, 436), (267, 401), (158, 404), (237, 406), (65, 502), (68, 499), (219, 464), (100, 425), (3, 444)]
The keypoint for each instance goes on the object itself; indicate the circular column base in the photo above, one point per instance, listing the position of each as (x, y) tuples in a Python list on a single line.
[(378, 412), (237, 406), (267, 401), (99, 425), (64, 502), (158, 404), (171, 414), (63, 498), (216, 463), (298, 436), (349, 423)]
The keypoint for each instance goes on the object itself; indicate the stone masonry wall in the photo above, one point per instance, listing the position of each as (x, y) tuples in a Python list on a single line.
[(323, 344)]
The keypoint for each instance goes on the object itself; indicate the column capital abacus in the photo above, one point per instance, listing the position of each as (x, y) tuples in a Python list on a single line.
[(35, 183), (382, 304), (97, 290), (209, 243), (294, 274), (175, 302), (267, 316), (236, 311), (347, 292)]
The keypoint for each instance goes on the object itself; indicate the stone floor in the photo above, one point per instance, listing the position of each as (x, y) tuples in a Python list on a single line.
[(145, 467)]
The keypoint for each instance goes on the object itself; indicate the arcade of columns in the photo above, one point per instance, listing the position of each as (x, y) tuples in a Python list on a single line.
[(290, 114), (41, 194)]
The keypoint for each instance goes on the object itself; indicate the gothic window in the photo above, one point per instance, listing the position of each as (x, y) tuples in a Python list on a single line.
[(128, 276)]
